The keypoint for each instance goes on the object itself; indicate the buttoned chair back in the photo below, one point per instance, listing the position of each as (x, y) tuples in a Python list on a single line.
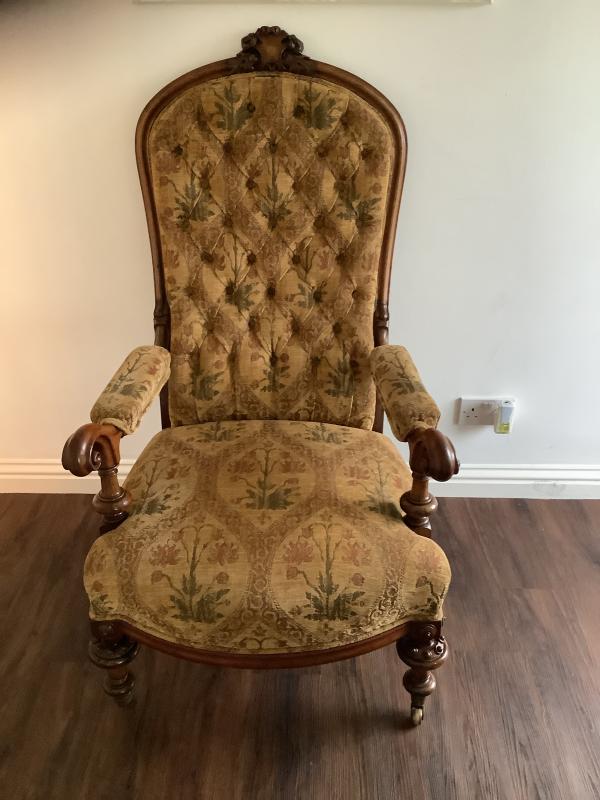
[(272, 185)]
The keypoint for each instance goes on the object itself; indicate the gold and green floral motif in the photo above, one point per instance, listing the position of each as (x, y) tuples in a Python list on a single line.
[(316, 108), (329, 597), (275, 373), (152, 496), (197, 592), (219, 432), (132, 388), (405, 399), (330, 434), (430, 601), (231, 114), (194, 199), (272, 202), (363, 210), (341, 377), (270, 478), (378, 482), (205, 383)]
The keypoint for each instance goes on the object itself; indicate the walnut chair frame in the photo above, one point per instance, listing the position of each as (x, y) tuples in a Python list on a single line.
[(95, 447)]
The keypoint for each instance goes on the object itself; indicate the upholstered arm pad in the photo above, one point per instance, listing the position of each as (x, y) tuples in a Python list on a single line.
[(132, 388), (407, 403)]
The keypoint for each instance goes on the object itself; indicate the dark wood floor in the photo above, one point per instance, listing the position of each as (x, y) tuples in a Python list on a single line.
[(516, 714)]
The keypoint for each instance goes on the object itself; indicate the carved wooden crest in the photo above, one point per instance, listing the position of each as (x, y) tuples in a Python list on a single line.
[(271, 49)]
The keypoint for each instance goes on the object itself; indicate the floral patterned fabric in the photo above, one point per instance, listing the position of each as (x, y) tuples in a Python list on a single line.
[(132, 388), (268, 537), (407, 403), (271, 191)]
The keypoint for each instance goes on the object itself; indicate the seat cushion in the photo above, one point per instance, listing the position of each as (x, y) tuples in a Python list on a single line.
[(269, 537)]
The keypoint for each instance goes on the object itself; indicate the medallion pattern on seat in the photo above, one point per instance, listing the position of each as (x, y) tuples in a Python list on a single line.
[(266, 536)]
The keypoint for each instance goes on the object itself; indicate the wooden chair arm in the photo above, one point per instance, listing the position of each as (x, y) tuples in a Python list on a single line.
[(432, 455), (90, 448), (96, 447)]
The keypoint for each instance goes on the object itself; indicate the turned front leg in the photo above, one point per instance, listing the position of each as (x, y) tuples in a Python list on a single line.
[(424, 649), (112, 651)]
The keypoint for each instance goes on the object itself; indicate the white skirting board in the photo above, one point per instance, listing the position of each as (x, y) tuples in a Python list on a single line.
[(572, 481)]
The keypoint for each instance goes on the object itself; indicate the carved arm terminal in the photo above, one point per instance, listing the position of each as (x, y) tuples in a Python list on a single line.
[(413, 417), (117, 412)]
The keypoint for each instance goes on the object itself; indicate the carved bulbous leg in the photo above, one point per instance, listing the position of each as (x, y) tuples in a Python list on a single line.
[(424, 649), (111, 650)]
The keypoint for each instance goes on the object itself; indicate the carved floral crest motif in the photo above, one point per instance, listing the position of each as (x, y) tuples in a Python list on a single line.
[(271, 49)]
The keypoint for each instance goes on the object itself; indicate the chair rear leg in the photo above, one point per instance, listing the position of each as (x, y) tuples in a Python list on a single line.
[(424, 649), (111, 650)]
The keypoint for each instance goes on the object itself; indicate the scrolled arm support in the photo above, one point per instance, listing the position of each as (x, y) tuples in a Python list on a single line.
[(96, 447), (432, 455)]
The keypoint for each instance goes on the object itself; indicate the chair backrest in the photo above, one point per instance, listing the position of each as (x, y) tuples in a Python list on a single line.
[(272, 185)]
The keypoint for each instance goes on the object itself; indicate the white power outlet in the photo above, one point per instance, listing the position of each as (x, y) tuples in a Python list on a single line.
[(480, 410)]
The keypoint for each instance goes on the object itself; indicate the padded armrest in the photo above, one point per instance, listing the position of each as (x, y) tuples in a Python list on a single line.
[(406, 401), (132, 388)]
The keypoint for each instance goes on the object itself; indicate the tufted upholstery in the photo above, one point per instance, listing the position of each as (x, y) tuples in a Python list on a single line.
[(295, 543), (271, 192)]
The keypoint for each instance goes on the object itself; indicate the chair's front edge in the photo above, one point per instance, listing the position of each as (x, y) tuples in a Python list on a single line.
[(306, 658)]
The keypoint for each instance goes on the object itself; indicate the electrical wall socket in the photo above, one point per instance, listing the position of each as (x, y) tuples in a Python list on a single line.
[(479, 410)]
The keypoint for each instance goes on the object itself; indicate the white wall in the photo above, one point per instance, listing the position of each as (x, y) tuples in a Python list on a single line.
[(497, 277)]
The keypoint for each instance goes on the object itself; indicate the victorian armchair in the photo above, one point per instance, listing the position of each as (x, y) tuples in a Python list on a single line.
[(262, 527)]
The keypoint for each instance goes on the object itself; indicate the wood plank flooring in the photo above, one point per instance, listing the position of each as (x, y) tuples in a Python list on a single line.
[(516, 714)]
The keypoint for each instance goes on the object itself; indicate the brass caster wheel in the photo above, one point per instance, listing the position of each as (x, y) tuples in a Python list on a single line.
[(416, 716)]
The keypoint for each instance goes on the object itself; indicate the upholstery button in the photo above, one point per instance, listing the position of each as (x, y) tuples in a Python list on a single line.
[(321, 151), (227, 221), (356, 293), (252, 323), (250, 107), (230, 289), (353, 364), (227, 146), (273, 359), (296, 258), (295, 186), (295, 325), (317, 295), (272, 145), (207, 257), (315, 361), (250, 183), (319, 221), (271, 290), (337, 327), (345, 120), (177, 150), (298, 110), (251, 258), (366, 152), (341, 257)]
